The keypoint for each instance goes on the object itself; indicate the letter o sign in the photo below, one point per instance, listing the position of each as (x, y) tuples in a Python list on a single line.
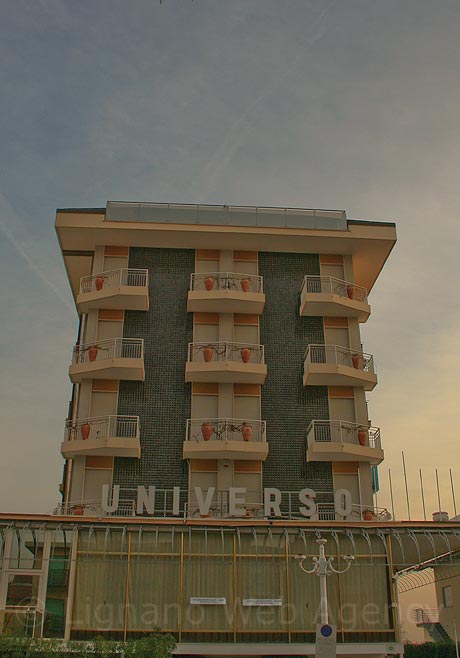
[(342, 502)]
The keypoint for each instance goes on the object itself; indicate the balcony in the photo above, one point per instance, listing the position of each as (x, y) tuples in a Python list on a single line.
[(123, 289), (225, 438), (332, 365), (339, 440), (329, 297), (117, 358), (226, 292), (224, 363), (116, 436)]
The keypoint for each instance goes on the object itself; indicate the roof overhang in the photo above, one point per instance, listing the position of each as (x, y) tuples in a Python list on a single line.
[(80, 231), (406, 544)]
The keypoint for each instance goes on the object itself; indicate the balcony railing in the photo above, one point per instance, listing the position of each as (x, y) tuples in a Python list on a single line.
[(226, 281), (224, 352), (114, 348), (225, 429), (102, 427), (331, 285), (114, 279), (336, 355), (340, 431)]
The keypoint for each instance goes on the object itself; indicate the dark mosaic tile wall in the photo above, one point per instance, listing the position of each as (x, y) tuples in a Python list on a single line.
[(163, 401), (287, 405)]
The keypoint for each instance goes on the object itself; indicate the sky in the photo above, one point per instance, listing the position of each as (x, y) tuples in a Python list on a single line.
[(349, 104)]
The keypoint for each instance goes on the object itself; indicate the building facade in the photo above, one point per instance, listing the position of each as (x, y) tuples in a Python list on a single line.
[(219, 349), (218, 428)]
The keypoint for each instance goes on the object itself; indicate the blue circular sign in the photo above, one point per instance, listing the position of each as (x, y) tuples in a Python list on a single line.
[(326, 630)]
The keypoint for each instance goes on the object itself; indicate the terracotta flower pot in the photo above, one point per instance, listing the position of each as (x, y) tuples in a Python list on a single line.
[(79, 510), (209, 283), (207, 353), (245, 285), (99, 282), (368, 515), (92, 353), (206, 431), (245, 354), (355, 359), (350, 292), (85, 430), (362, 437), (246, 431)]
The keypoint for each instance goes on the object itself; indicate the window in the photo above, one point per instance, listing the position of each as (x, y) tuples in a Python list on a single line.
[(447, 596)]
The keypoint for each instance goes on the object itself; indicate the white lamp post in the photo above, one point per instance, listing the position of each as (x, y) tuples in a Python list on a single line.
[(322, 567)]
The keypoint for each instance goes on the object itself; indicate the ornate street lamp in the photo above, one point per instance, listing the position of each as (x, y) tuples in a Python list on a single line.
[(322, 567)]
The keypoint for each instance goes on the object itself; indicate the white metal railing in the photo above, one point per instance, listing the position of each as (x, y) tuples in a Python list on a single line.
[(225, 429), (426, 616), (342, 356), (331, 285), (341, 431), (226, 281), (219, 508), (113, 348), (93, 508), (114, 279), (370, 513), (101, 427), (225, 351)]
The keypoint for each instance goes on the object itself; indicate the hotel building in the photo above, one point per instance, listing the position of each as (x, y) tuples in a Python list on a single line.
[(218, 427)]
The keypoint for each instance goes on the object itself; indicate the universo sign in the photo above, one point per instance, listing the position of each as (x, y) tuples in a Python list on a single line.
[(235, 501)]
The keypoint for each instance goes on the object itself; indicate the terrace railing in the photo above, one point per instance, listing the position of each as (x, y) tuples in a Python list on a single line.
[(336, 355), (114, 279), (225, 429), (341, 431), (100, 427), (225, 351), (219, 508), (226, 281), (331, 285), (113, 348)]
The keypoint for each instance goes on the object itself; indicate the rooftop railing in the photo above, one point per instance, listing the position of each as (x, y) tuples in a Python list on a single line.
[(336, 355), (333, 286), (114, 279), (94, 508), (341, 431), (113, 348), (101, 427), (226, 281), (327, 512), (225, 429), (225, 351), (220, 504)]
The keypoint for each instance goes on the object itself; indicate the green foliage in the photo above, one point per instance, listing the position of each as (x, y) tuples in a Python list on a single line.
[(149, 646), (430, 650)]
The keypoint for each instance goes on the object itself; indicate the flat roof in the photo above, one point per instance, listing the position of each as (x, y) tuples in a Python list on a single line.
[(230, 215)]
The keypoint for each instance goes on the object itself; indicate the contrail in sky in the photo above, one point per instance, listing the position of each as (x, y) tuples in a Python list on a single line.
[(238, 132), (12, 240)]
